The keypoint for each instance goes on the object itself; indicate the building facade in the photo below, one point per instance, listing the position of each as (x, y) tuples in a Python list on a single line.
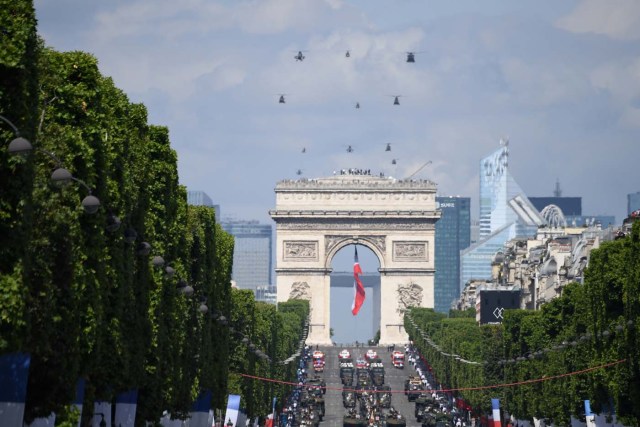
[(453, 234), (252, 255)]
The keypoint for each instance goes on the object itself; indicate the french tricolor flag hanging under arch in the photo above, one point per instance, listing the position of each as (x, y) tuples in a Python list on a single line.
[(358, 289)]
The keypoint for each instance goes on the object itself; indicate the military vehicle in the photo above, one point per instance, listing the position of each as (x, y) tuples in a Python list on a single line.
[(438, 419), (348, 398), (377, 373), (425, 404), (346, 373), (395, 419), (353, 419), (384, 396), (413, 387)]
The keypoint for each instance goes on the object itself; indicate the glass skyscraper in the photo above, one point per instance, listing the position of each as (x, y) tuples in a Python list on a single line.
[(252, 256), (633, 202), (200, 198), (453, 234), (505, 213)]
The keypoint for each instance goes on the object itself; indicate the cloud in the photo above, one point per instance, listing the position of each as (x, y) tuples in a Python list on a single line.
[(618, 19), (621, 81), (169, 19)]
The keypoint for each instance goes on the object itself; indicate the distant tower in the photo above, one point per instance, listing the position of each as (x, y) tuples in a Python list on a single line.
[(557, 192)]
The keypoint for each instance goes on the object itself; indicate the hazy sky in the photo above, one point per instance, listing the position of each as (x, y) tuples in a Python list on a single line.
[(561, 80)]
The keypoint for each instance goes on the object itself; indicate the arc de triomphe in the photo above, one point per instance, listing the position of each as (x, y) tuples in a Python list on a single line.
[(394, 218)]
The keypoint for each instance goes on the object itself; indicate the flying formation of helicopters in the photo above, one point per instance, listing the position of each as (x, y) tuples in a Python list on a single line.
[(299, 57)]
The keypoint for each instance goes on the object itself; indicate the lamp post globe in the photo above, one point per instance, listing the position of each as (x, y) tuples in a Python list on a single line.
[(113, 223), (61, 176), (91, 204), (143, 249), (20, 145), (130, 235)]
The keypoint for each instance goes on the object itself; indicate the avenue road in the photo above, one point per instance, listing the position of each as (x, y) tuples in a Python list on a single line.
[(334, 410)]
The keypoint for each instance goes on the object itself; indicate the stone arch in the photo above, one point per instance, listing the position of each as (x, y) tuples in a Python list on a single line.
[(395, 219), (344, 241)]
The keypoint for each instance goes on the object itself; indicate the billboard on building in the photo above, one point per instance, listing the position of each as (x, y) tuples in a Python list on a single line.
[(491, 304)]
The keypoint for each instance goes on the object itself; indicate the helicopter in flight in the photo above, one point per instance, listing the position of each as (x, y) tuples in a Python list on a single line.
[(388, 147), (396, 99), (299, 172), (349, 149), (357, 105), (304, 150), (281, 99), (299, 56), (347, 54), (394, 161)]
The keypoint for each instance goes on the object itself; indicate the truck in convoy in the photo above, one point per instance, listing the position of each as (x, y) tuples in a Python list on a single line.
[(376, 370), (413, 387), (346, 373), (397, 359), (318, 361)]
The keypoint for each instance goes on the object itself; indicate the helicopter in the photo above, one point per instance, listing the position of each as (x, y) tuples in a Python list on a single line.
[(304, 150), (347, 54), (396, 100), (388, 147), (299, 56), (349, 149), (299, 172), (394, 161), (411, 57), (357, 105), (281, 100)]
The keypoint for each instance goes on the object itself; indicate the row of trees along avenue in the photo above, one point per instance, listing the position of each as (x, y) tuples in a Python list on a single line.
[(87, 295), (590, 325)]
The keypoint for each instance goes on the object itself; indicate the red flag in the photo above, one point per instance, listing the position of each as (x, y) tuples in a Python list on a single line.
[(358, 289)]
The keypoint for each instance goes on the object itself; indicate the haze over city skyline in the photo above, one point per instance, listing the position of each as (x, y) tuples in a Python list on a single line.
[(561, 81)]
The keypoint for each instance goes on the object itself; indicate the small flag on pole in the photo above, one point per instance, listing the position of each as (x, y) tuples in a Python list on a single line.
[(495, 405), (358, 289)]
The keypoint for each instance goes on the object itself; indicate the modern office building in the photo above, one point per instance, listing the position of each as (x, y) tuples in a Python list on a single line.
[(505, 213), (252, 256), (633, 202), (453, 234), (200, 198)]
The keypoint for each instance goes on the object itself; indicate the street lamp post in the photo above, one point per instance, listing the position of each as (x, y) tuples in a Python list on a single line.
[(60, 175)]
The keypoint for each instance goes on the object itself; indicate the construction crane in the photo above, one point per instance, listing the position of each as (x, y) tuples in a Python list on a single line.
[(419, 169)]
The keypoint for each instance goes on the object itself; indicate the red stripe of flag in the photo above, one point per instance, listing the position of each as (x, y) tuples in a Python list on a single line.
[(358, 289)]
